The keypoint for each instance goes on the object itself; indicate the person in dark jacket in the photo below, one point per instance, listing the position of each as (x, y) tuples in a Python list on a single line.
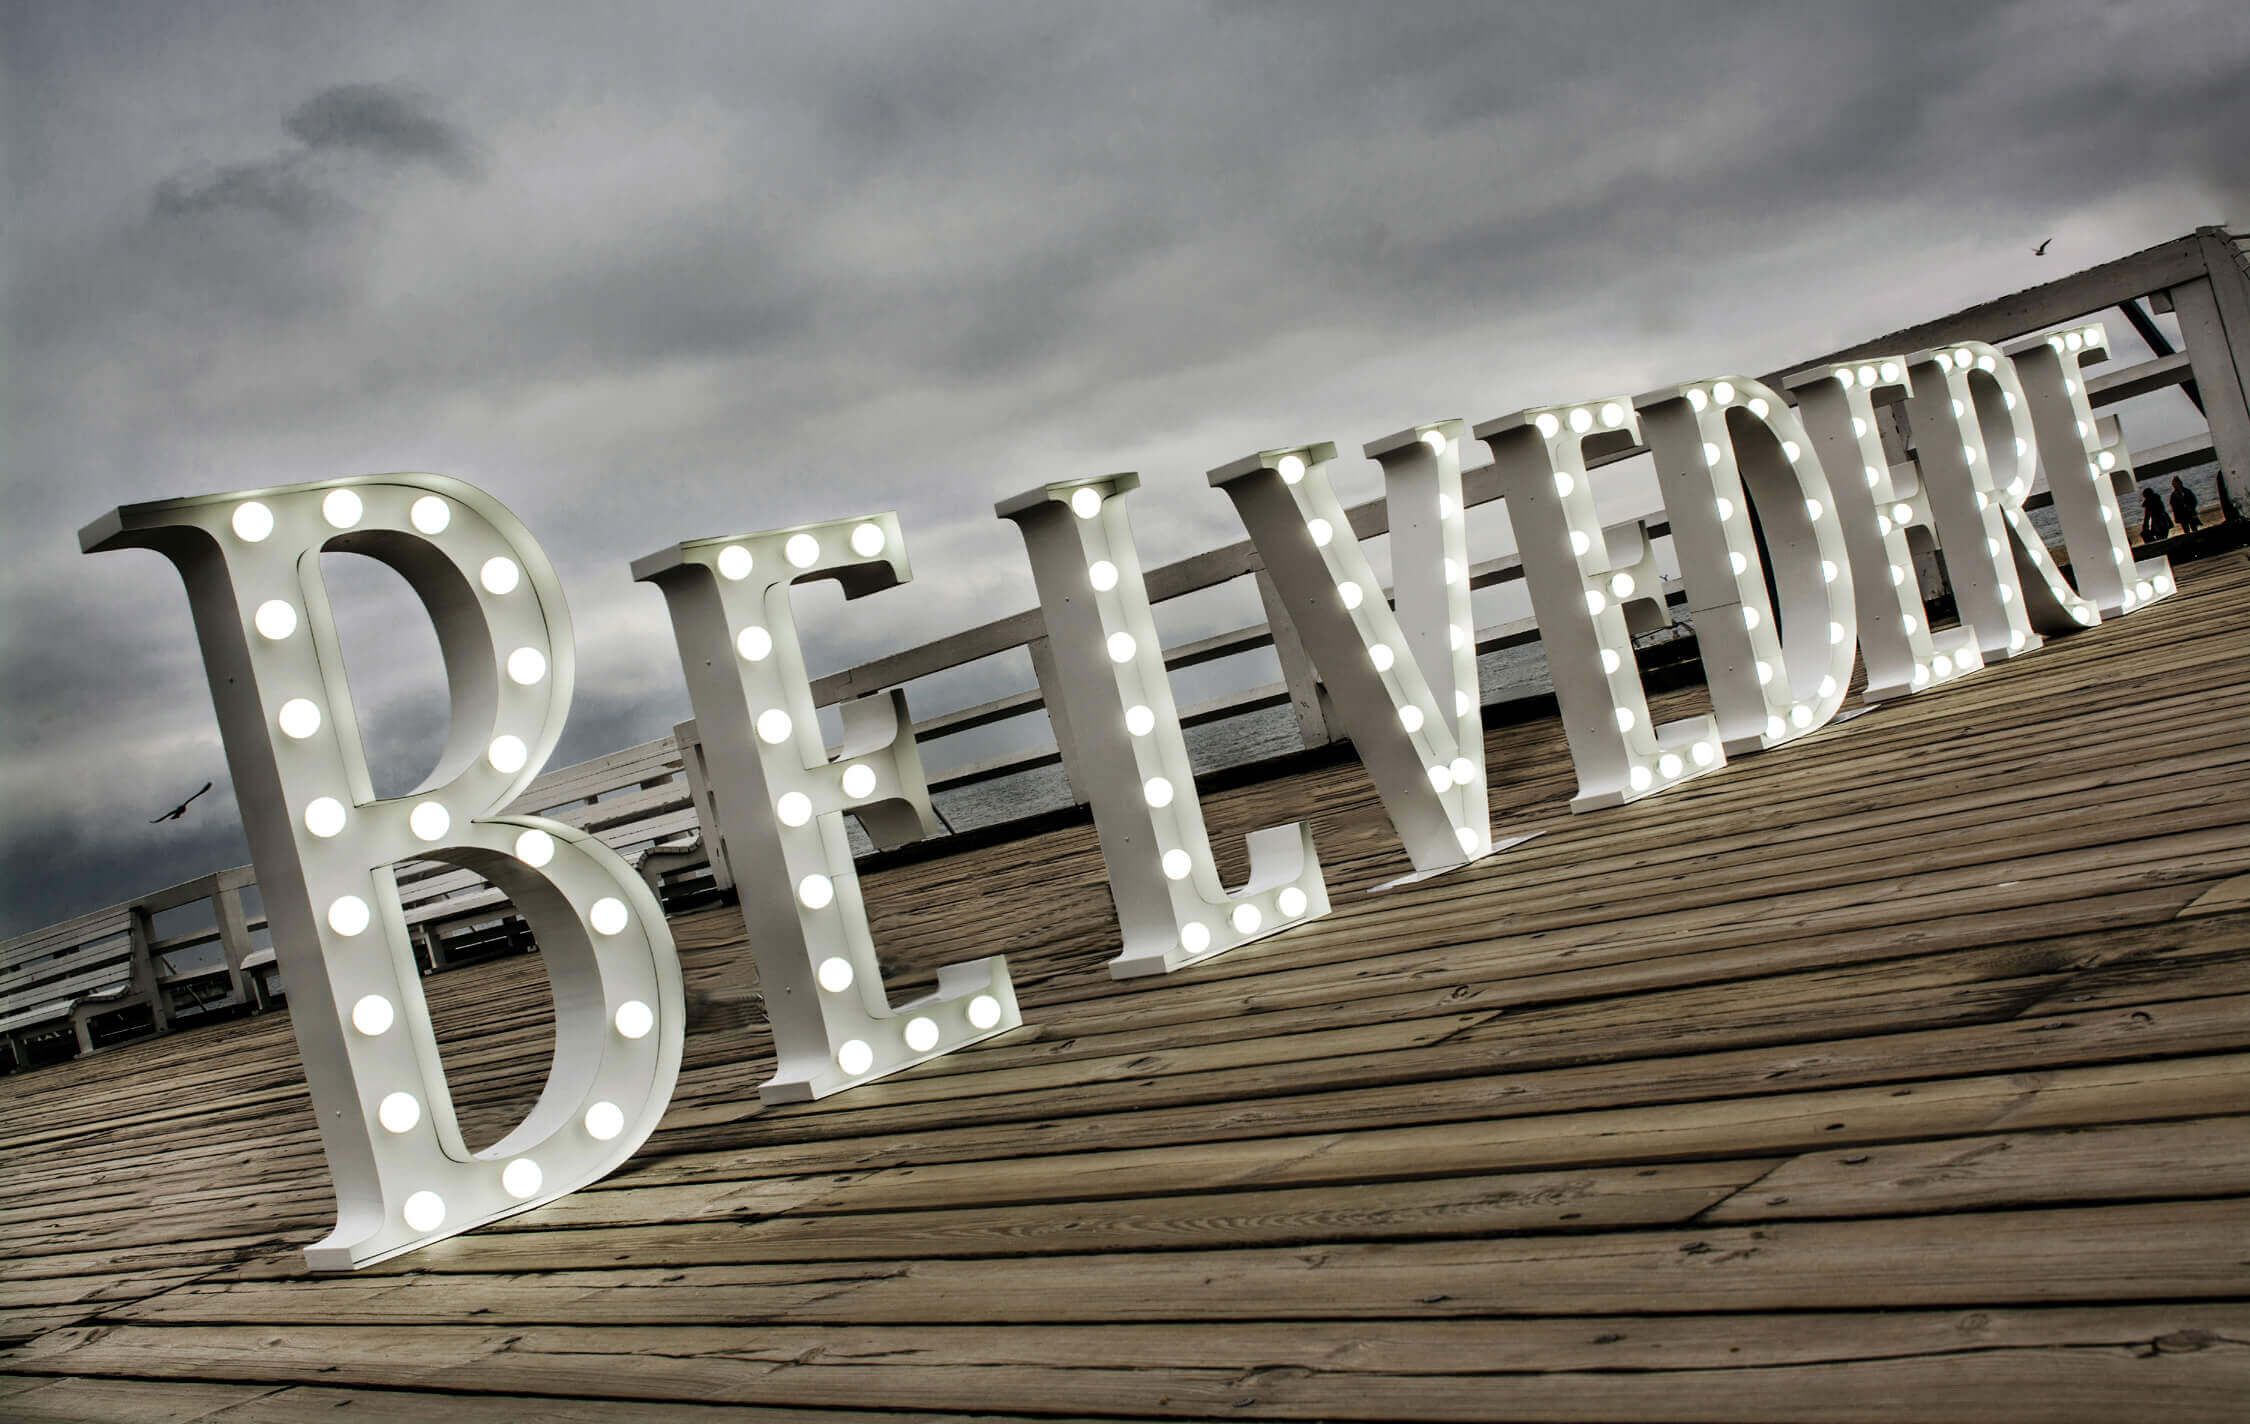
[(2183, 507), (2155, 523)]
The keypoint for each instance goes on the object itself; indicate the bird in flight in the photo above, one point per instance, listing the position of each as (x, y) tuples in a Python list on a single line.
[(180, 810), (2041, 249)]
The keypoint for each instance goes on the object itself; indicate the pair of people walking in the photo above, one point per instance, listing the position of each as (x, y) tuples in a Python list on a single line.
[(2156, 522)]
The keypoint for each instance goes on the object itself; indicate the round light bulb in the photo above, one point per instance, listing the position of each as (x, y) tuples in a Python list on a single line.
[(252, 522), (1547, 425), (607, 915), (507, 754), (1669, 765), (1624, 719), (859, 781), (429, 821), (1696, 399), (921, 1034), (1751, 619), (1085, 503), (1435, 439), (754, 644), (867, 540), (1737, 562), (634, 1019), (1350, 593), (1467, 838), (1611, 662), (424, 1211), (1639, 778), (1195, 936), (1580, 542), (1177, 864), (1381, 656), (526, 666), (1321, 532), (521, 1178), (499, 575), (774, 726), (299, 718), (1703, 753), (1291, 468), (1410, 717), (1122, 647), (835, 974), (1722, 392), (816, 892), (430, 514), (802, 551), (1581, 420), (1776, 729), (1291, 902), (1613, 415), (735, 563), (373, 1015), (1564, 484), (1464, 771), (275, 619), (398, 1112), (1621, 585), (1246, 919), (1760, 409), (324, 816), (1157, 791), (1102, 574), (984, 1011), (604, 1121), (855, 1057), (342, 508), (535, 848), (1139, 720), (1441, 777), (1595, 600)]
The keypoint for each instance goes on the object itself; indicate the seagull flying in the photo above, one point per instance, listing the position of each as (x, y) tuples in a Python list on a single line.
[(2041, 249), (180, 810)]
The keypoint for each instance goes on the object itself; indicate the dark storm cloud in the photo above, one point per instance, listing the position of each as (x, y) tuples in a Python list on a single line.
[(700, 268)]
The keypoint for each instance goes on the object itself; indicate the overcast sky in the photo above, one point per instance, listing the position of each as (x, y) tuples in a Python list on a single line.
[(662, 271)]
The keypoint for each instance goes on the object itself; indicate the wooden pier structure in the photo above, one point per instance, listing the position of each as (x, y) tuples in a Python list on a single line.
[(1902, 1074)]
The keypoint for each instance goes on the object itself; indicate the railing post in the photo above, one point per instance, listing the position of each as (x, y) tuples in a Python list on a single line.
[(2214, 316), (147, 982), (1051, 692), (234, 937), (689, 738), (1307, 698)]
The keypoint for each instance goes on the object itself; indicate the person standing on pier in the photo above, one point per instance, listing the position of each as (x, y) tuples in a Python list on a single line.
[(2183, 507), (2155, 523)]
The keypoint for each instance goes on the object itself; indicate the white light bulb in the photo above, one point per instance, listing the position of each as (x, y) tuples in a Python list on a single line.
[(984, 1011), (1292, 902), (499, 575), (535, 848), (1381, 655), (276, 620), (1435, 439), (2016, 641), (816, 892), (1350, 593), (1903, 513), (1776, 729), (1801, 716), (324, 816), (754, 644), (252, 522), (867, 540), (1703, 753), (634, 1019), (1139, 720), (1157, 791), (1581, 420), (2163, 583), (2007, 594), (1710, 453), (735, 563), (1921, 674), (1195, 936), (1461, 703), (607, 915), (1441, 778), (1843, 377), (1085, 503), (1836, 634), (1961, 357), (2144, 590), (373, 1015), (1595, 600), (1613, 415), (2107, 459), (1178, 864), (1122, 647), (1321, 532), (1942, 665), (1410, 717), (1246, 919), (2109, 516), (1827, 687), (1580, 542), (342, 508), (347, 916), (1790, 451), (521, 1178), (1909, 622), (1640, 778), (430, 514), (1898, 575), (774, 726), (1992, 547), (1464, 771), (1696, 399), (1765, 672), (1624, 719), (1547, 424), (1611, 662), (1722, 392), (1468, 838), (1751, 618), (398, 1112), (424, 1211), (921, 1034), (604, 1121), (855, 1057), (2023, 446), (429, 821), (1829, 573), (1737, 562), (526, 666), (1291, 468), (1621, 585), (1669, 765), (1760, 409), (1450, 570), (299, 718), (802, 551), (1725, 507), (1102, 574), (1969, 453), (1890, 371), (1874, 476), (835, 974), (1883, 523), (1564, 484), (859, 781)]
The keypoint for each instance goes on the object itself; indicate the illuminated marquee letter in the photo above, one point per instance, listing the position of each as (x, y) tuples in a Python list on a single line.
[(1712, 441), (2085, 474), (1591, 590), (1877, 504), (1961, 399), (782, 803), (323, 846), (1425, 756), (1118, 702)]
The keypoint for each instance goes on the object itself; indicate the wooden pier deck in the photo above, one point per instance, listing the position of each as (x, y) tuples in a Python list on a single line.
[(1900, 1075)]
